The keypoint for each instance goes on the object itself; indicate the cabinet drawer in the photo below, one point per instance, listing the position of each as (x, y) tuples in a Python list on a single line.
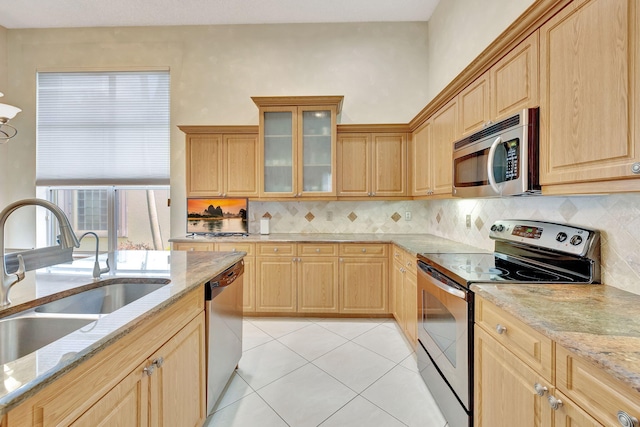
[(192, 246), (317, 249), (276, 249), (601, 395), (409, 263), (530, 346), (365, 249), (237, 247)]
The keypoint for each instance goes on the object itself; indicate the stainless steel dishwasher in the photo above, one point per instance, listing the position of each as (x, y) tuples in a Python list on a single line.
[(223, 312)]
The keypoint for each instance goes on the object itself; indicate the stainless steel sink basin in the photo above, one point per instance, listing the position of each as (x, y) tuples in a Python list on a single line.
[(20, 336), (102, 300)]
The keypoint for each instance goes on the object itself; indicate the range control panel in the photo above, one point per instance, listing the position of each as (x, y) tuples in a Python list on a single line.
[(559, 237)]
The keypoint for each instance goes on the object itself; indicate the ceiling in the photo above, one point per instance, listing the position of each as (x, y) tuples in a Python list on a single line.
[(112, 13)]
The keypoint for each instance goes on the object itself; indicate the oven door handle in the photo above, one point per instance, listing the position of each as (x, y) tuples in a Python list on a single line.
[(490, 175), (450, 289)]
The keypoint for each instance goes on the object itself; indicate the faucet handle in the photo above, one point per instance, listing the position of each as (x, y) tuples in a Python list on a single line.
[(21, 268), (97, 271), (105, 270)]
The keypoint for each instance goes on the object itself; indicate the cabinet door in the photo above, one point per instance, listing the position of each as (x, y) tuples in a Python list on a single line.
[(127, 404), (396, 295), (444, 134), (178, 383), (364, 285), (411, 306), (278, 151), (354, 164), (249, 275), (316, 162), (571, 415), (474, 105), (389, 158), (204, 160), (420, 157), (589, 111), (318, 285), (504, 388), (514, 79), (275, 284), (241, 166)]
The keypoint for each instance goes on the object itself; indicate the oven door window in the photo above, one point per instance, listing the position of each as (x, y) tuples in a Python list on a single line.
[(441, 326), (471, 170)]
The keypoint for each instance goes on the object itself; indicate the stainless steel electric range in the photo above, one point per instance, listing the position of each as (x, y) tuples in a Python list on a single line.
[(525, 252)]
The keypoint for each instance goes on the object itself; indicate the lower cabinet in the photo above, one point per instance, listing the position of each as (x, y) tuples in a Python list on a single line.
[(404, 292), (364, 279), (515, 369), (317, 278), (155, 375), (276, 289)]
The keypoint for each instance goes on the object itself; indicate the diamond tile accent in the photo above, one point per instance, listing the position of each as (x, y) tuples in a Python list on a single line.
[(352, 216), (568, 210), (309, 217), (267, 215), (479, 223), (396, 217), (438, 218)]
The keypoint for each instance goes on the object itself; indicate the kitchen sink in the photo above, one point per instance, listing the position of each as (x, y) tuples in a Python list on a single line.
[(104, 299), (20, 336)]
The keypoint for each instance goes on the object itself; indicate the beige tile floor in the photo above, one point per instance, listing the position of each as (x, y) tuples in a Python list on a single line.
[(325, 372)]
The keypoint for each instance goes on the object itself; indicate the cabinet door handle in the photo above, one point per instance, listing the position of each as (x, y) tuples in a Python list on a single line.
[(501, 329), (158, 362), (627, 420), (149, 369), (364, 250), (540, 389), (275, 249), (318, 250), (554, 402), (341, 259)]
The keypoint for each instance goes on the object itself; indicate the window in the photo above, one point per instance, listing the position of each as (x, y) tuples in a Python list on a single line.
[(103, 154)]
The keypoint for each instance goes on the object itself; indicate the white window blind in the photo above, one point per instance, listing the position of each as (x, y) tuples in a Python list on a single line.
[(103, 128)]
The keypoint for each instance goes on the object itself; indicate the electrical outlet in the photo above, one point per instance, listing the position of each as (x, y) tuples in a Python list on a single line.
[(468, 221), (407, 216), (329, 215)]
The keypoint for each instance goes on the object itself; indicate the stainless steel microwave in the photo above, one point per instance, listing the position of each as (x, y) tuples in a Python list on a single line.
[(499, 160)]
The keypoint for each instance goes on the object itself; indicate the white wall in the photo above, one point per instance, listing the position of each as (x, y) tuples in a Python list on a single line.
[(380, 68), (459, 30)]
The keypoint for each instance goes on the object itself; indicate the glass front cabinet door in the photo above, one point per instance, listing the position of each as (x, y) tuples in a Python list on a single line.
[(298, 147)]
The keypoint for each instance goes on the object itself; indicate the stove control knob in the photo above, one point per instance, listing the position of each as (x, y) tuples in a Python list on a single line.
[(494, 227), (500, 228), (561, 237), (576, 240)]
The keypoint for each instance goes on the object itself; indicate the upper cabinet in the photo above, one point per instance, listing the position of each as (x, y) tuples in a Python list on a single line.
[(222, 161), (298, 146), (372, 164), (590, 98), (509, 86)]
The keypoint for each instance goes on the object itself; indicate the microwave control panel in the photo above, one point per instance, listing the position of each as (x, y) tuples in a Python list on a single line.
[(512, 149)]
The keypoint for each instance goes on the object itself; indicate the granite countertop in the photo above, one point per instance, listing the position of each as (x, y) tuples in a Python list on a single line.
[(186, 270), (598, 322), (412, 243)]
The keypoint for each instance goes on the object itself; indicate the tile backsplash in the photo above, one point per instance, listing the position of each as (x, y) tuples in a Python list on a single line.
[(616, 216)]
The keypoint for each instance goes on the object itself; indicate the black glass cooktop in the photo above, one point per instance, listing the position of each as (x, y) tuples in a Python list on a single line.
[(475, 268)]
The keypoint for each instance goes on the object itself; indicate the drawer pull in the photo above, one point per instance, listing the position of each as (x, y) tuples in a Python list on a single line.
[(501, 329), (364, 250), (318, 250), (627, 420), (275, 249), (158, 362), (554, 402), (540, 389), (149, 370)]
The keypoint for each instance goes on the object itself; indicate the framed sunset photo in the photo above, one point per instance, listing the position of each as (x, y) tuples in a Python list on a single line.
[(217, 216)]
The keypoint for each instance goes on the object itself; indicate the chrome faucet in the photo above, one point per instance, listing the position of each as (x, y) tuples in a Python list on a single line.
[(97, 271), (67, 239)]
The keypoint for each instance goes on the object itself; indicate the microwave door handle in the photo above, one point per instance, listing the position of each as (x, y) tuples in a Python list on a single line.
[(492, 178)]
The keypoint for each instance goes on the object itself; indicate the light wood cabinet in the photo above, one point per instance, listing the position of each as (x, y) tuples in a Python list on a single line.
[(317, 278), (298, 146), (276, 278), (372, 164), (404, 292), (444, 132), (474, 106), (193, 246), (504, 395), (126, 383), (519, 374), (514, 80), (589, 97), (364, 279), (420, 161), (222, 161)]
